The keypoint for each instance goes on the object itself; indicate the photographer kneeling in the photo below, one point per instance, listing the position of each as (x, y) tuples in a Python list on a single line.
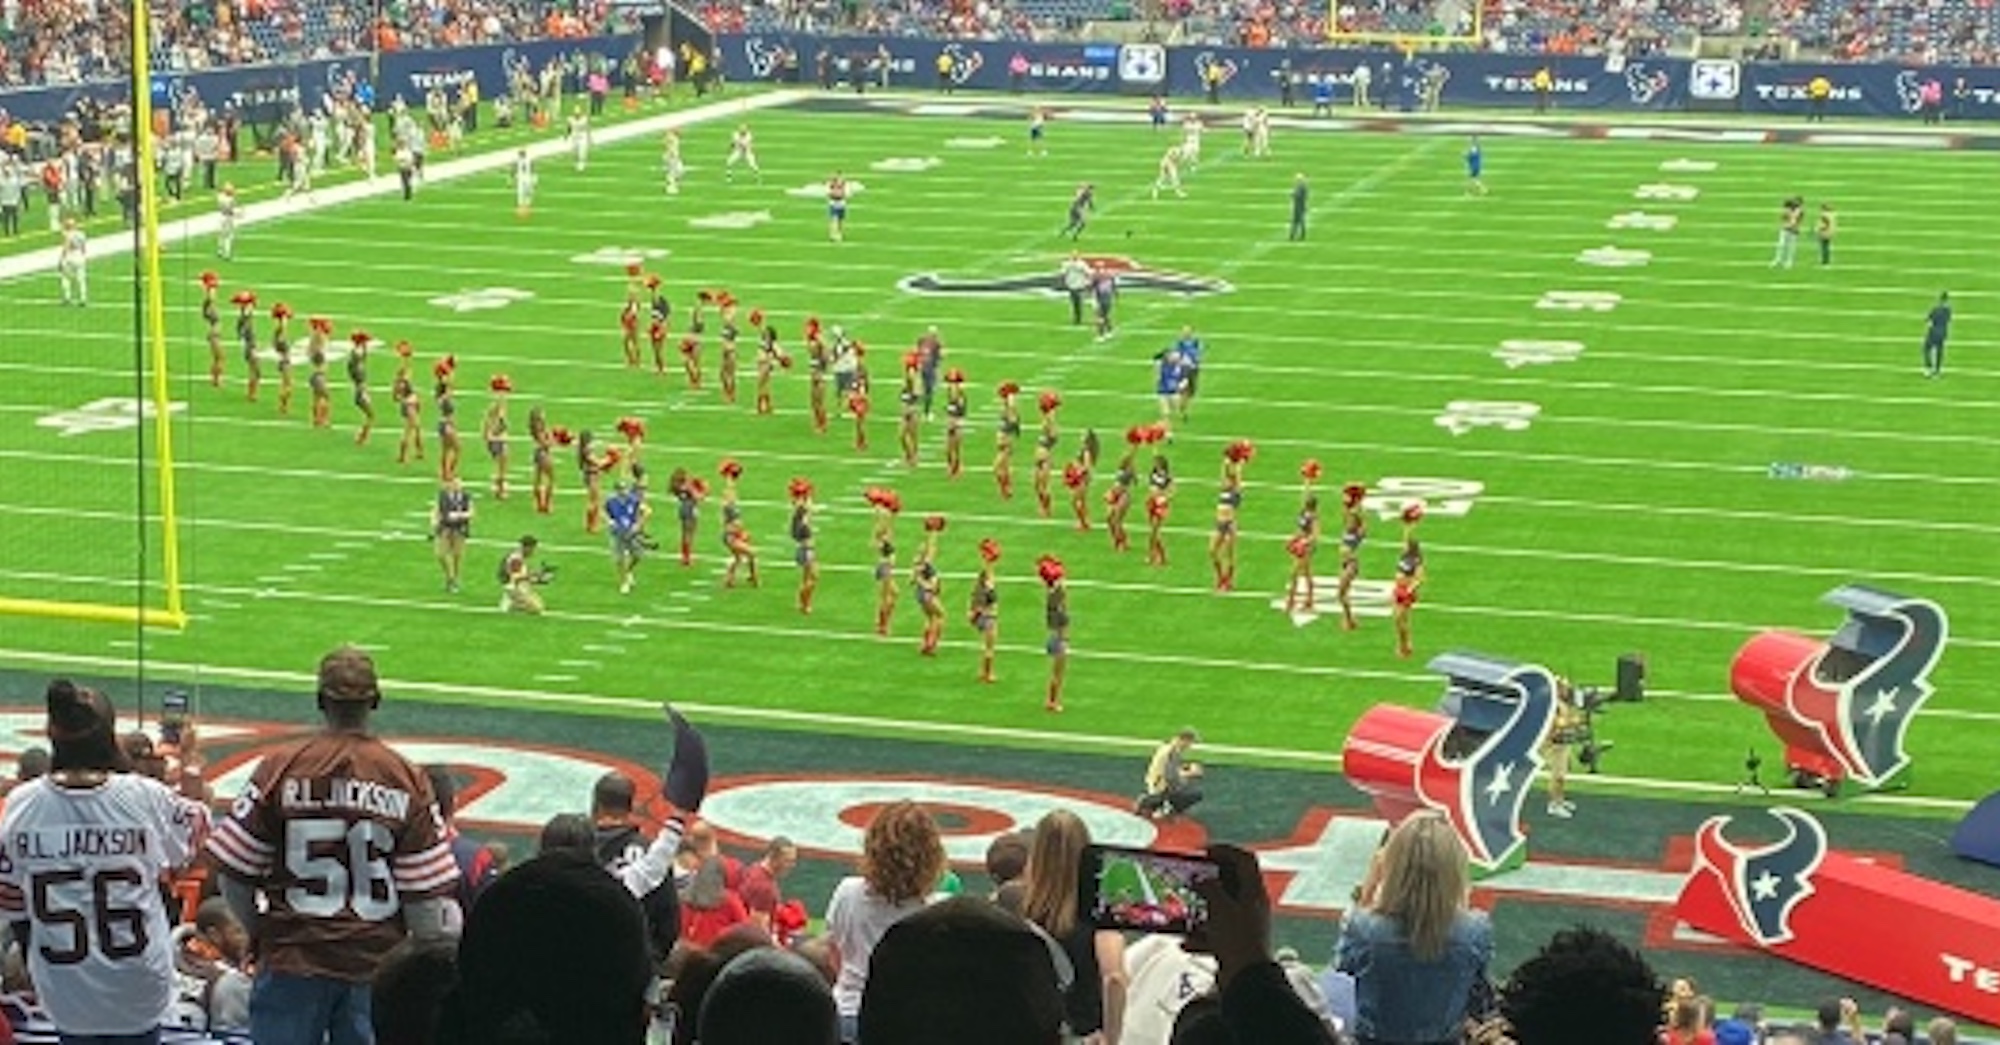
[(519, 579)]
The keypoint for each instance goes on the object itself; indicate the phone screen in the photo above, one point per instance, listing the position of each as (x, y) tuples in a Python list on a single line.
[(173, 716), (1143, 890)]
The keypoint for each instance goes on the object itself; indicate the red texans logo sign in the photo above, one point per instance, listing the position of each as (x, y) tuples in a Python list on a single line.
[(1862, 716), (1763, 884), (1483, 792)]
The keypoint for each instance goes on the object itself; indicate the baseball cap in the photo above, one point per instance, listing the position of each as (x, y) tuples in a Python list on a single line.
[(1734, 1032), (348, 674)]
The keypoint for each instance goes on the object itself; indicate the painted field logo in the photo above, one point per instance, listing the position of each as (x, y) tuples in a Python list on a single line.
[(736, 220), (1132, 275), (481, 299), (619, 256)]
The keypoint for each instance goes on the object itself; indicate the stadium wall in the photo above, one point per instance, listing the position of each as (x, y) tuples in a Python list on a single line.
[(1470, 80), (264, 87)]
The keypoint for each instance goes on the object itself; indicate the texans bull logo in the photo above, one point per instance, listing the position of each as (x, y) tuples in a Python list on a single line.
[(1909, 91), (965, 62), (763, 56), (1862, 720), (1131, 275), (1482, 793), (1646, 83), (1763, 884), (1207, 60)]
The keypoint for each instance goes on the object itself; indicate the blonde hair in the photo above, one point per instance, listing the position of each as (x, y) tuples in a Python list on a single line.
[(902, 855), (1051, 878), (1425, 882)]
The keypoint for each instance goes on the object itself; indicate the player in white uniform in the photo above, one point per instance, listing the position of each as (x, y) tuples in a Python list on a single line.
[(1170, 172), (742, 149), (317, 141), (1257, 132), (365, 149), (228, 210), (82, 854), (579, 138), (1191, 129), (524, 183), (73, 265), (670, 162)]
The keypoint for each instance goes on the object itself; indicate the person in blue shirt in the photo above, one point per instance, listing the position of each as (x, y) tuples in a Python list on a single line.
[(1475, 168), (1322, 94), (1171, 379), (1940, 328), (1411, 942), (626, 512), (1301, 194), (1189, 348)]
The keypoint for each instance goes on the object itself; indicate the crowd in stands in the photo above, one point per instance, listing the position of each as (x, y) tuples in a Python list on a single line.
[(54, 42), (382, 923)]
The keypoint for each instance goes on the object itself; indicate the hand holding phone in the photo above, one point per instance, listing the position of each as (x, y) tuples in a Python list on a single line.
[(1143, 890), (174, 711)]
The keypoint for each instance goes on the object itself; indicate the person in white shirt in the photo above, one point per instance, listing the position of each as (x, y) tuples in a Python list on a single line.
[(1191, 129), (227, 211), (82, 854), (579, 138), (902, 859), (524, 183), (670, 162), (742, 149), (1170, 171), (73, 265)]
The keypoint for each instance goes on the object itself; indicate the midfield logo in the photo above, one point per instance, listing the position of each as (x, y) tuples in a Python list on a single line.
[(1131, 275)]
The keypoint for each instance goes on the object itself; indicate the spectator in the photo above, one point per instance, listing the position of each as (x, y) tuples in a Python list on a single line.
[(901, 856), (768, 997), (1165, 978), (1094, 1004), (1171, 779), (32, 765), (1007, 857), (572, 831), (556, 951), (1583, 988), (642, 867), (102, 959), (966, 972), (692, 971), (478, 863), (1898, 1027), (211, 955), (1688, 1022), (710, 907), (365, 863), (1258, 1006), (1413, 946), (1839, 1023), (1942, 1031), (409, 990), (763, 891)]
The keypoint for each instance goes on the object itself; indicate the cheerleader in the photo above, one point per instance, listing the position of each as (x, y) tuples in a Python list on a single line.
[(1161, 482), (246, 334), (445, 398), (1010, 430), (591, 466), (817, 361), (1409, 578), (493, 430), (281, 346), (411, 407), (1057, 612), (1076, 476), (1087, 452), (1299, 592), (735, 536), (887, 504), (912, 402), (1118, 499), (726, 368), (985, 607), (405, 353), (687, 492), (628, 326), (857, 404), (357, 375), (802, 536), (928, 585), (954, 421), (691, 361), (1229, 499), (1353, 531), (211, 317), (322, 399), (770, 359), (1045, 447), (544, 440), (660, 311), (634, 431)]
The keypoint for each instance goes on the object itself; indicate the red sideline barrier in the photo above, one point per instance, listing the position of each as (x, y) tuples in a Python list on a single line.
[(1762, 676), (1886, 928), (1383, 752)]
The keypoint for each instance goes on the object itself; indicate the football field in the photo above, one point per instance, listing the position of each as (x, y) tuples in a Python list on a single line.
[(1629, 431)]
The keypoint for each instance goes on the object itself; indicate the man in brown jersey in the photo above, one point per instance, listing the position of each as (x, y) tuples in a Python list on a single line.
[(342, 838)]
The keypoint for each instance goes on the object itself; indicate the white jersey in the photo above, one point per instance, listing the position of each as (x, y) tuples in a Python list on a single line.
[(1191, 137), (226, 206), (524, 181), (74, 249), (579, 132), (742, 146), (83, 865)]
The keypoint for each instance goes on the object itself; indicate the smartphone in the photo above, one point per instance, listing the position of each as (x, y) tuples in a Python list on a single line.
[(174, 709), (1143, 890)]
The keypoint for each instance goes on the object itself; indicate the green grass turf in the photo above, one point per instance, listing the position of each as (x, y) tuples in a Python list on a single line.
[(1633, 514)]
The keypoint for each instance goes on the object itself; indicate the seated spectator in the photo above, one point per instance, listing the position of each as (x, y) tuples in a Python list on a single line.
[(1094, 1004), (692, 969), (966, 972), (765, 997), (1942, 1031), (1839, 1023), (1007, 858), (1688, 1022), (710, 907), (1166, 977), (556, 951), (1898, 1027), (211, 955), (571, 832), (409, 990), (1413, 946), (901, 856), (1583, 988), (33, 763)]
